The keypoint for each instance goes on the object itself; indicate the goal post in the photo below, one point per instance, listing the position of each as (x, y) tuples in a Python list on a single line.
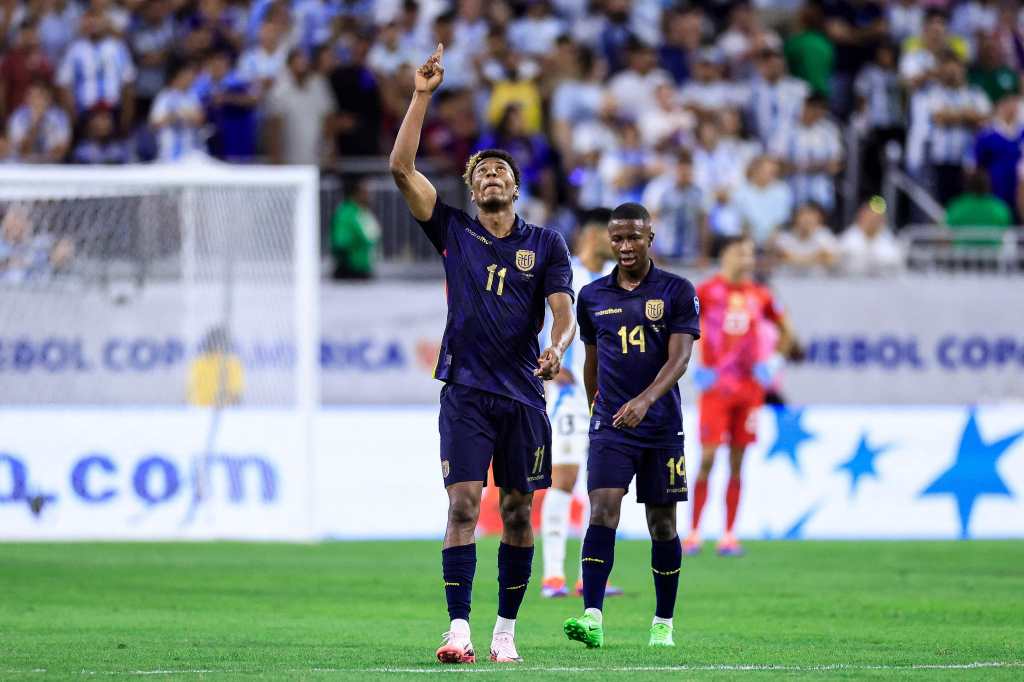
[(168, 293)]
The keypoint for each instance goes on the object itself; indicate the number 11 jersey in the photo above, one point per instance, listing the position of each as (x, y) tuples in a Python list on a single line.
[(496, 294)]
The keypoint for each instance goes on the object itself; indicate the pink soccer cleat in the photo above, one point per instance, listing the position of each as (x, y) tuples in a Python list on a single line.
[(729, 546), (609, 590), (456, 648), (692, 544), (552, 588), (503, 648)]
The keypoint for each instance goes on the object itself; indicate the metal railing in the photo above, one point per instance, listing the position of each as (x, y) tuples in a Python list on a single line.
[(938, 248)]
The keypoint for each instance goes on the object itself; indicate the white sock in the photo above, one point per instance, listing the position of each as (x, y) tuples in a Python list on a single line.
[(666, 621), (505, 625), (554, 527), (595, 614), (459, 626)]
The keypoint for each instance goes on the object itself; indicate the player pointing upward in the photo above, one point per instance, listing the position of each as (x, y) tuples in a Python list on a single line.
[(499, 271), (638, 325)]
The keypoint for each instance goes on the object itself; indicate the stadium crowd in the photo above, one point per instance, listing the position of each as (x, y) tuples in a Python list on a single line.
[(719, 116)]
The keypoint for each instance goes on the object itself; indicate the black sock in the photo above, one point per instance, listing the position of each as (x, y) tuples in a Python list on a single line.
[(458, 565), (514, 565), (666, 558), (598, 557)]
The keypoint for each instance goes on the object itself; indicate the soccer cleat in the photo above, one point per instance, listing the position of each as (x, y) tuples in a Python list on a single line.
[(585, 629), (609, 590), (661, 635), (729, 546), (692, 544), (456, 648), (552, 588), (503, 648)]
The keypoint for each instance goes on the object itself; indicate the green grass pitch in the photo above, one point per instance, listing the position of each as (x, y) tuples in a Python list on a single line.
[(375, 611)]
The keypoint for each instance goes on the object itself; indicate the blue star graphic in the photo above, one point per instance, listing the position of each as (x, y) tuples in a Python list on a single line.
[(796, 531), (790, 434), (862, 463), (973, 474)]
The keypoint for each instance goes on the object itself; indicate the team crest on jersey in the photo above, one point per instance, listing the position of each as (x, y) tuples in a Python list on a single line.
[(525, 260), (445, 468), (655, 309)]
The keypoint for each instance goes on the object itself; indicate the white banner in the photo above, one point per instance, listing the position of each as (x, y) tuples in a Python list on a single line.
[(826, 472), (152, 474)]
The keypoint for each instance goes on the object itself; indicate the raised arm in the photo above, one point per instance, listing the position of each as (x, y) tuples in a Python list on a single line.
[(563, 331), (680, 347), (419, 194)]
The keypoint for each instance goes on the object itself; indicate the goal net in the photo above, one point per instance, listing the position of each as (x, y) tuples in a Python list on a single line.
[(158, 286)]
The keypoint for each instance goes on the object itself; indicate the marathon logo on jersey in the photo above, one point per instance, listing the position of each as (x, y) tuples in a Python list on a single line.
[(655, 309), (608, 311), (525, 260)]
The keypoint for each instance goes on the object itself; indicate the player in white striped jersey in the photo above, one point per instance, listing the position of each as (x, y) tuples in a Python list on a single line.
[(568, 409)]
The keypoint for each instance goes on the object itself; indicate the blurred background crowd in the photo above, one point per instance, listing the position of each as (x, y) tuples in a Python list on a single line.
[(780, 118)]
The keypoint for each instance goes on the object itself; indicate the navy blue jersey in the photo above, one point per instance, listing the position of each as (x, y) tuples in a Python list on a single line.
[(631, 330), (496, 294)]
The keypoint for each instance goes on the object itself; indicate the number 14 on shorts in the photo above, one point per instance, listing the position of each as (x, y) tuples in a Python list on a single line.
[(676, 468)]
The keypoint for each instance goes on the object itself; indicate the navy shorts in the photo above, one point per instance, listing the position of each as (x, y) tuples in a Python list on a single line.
[(660, 471), (477, 426)]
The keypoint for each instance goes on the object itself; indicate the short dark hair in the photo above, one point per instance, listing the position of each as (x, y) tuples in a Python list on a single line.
[(726, 241), (684, 156), (490, 154), (630, 211), (935, 13)]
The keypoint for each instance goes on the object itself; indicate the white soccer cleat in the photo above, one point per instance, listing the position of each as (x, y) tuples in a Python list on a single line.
[(456, 648), (503, 648)]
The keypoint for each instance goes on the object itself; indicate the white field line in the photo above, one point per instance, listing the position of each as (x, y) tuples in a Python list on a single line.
[(723, 667)]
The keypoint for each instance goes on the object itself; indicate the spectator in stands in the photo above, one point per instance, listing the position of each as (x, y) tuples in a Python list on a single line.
[(39, 130), (576, 100), (209, 28), (451, 132), (358, 99), (587, 187), (459, 71), (614, 35), (355, 233), (470, 25), (974, 19), (856, 27), (764, 202), (100, 144), (943, 120), (513, 80), (262, 63), (681, 43), (58, 21), (809, 53), (20, 66), (677, 209), (744, 38), (997, 148), (990, 72), (666, 124), (302, 112), (812, 152), (628, 167), (229, 103), (808, 247), (25, 255), (905, 18), (776, 98), (634, 86), (530, 150), (536, 31), (880, 114), (117, 18), (707, 93), (177, 117), (867, 246), (978, 209), (920, 63), (98, 70), (718, 168), (388, 53), (151, 37)]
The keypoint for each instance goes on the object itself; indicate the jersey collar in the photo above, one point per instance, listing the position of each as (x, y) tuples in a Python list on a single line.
[(653, 275), (517, 229)]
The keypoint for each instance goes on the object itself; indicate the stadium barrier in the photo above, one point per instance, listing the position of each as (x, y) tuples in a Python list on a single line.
[(817, 472)]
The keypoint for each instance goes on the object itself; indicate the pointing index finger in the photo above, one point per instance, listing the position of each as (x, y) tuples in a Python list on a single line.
[(438, 52)]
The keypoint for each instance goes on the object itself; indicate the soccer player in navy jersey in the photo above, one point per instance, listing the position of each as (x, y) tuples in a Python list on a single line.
[(499, 271), (638, 325)]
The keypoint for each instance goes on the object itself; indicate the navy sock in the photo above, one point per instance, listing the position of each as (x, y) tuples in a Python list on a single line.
[(598, 557), (458, 565), (666, 558), (514, 565)]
